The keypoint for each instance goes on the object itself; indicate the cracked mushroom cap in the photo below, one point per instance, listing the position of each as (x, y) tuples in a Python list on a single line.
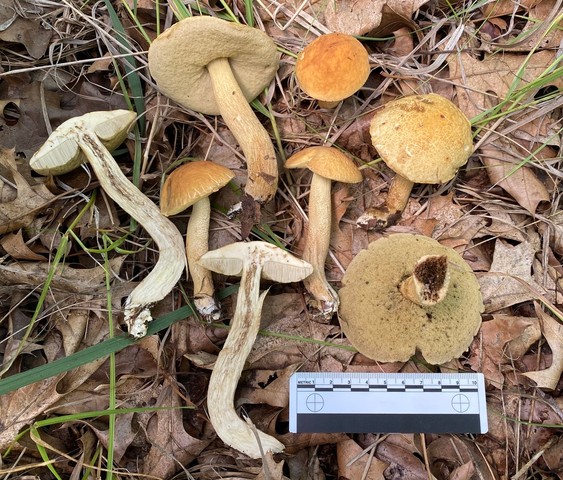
[(190, 183), (424, 138), (383, 325), (178, 58), (332, 67), (328, 162)]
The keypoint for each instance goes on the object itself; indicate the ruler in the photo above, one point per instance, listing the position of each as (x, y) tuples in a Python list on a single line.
[(324, 402)]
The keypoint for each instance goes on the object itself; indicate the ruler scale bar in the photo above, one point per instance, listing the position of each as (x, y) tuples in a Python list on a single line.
[(387, 403)]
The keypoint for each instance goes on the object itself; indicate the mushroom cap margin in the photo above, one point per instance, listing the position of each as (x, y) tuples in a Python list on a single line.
[(178, 58), (385, 326), (424, 138)]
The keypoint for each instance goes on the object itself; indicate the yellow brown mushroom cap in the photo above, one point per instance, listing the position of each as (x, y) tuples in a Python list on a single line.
[(328, 162), (385, 326), (190, 183), (178, 58), (332, 67), (424, 138)]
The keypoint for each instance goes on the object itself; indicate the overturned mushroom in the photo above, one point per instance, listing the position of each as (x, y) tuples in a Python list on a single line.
[(88, 139), (216, 67), (388, 321), (252, 261), (331, 68), (327, 164), (423, 139), (191, 184)]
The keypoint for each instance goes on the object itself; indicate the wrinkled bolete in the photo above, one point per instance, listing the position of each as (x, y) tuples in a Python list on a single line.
[(327, 164), (87, 139), (331, 68), (190, 186), (423, 139), (388, 319), (216, 67)]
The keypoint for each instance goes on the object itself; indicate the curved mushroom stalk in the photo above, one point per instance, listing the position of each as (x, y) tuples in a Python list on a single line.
[(85, 138), (429, 282), (252, 261)]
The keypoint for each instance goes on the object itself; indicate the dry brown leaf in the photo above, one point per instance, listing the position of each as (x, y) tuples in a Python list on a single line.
[(20, 212), (521, 183), (489, 348), (16, 29), (15, 246), (270, 387), (270, 469), (171, 446), (498, 286), (368, 17), (403, 463), (553, 332), (353, 466), (448, 453), (481, 84)]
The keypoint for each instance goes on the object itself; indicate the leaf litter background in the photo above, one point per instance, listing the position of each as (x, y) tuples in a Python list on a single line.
[(499, 61)]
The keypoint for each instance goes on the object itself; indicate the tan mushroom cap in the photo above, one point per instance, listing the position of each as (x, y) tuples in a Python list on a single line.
[(385, 326), (332, 67), (190, 183), (424, 138), (178, 58), (328, 162)]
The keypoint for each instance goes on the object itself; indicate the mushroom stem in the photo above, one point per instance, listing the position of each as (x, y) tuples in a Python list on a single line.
[(327, 104), (323, 297), (248, 131), (197, 239), (227, 370), (170, 265), (397, 199), (428, 285)]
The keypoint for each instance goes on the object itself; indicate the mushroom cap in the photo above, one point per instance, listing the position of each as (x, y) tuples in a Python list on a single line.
[(424, 138), (191, 182), (327, 162), (385, 326), (61, 152), (332, 67), (178, 58), (277, 264)]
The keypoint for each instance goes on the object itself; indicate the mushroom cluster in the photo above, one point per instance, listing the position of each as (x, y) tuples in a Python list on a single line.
[(407, 293)]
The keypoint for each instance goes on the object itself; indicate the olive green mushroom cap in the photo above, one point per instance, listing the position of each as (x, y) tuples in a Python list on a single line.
[(424, 138), (383, 325), (178, 58)]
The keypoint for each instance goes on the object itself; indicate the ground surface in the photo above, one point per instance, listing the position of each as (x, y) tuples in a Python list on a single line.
[(70, 255)]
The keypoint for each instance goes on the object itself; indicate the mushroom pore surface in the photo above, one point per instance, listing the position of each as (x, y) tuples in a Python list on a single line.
[(385, 326)]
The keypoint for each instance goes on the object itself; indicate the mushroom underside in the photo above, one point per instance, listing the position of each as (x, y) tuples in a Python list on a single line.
[(385, 326)]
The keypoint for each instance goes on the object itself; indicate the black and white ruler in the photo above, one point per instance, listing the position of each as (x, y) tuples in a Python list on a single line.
[(387, 403)]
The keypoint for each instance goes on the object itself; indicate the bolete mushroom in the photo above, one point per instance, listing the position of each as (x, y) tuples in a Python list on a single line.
[(327, 164), (216, 67), (423, 139), (89, 138), (190, 185), (331, 68), (388, 321), (252, 261)]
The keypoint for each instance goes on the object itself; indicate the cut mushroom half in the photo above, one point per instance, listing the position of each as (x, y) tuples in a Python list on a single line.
[(423, 139), (89, 138), (190, 186), (251, 261), (327, 164), (231, 65)]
